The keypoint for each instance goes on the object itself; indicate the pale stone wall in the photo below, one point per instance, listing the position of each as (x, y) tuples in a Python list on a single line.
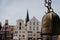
[(21, 32), (34, 26)]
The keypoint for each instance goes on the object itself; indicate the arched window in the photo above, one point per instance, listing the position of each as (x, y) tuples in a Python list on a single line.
[(20, 26)]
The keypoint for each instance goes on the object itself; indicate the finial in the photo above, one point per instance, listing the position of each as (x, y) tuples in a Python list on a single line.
[(48, 5)]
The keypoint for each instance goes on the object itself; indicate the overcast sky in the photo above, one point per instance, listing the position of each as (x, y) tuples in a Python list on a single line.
[(17, 9)]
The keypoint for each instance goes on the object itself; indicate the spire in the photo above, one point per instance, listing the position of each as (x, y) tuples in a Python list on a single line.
[(27, 18), (48, 5)]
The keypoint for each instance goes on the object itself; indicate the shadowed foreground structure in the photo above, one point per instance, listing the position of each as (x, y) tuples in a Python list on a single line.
[(50, 23)]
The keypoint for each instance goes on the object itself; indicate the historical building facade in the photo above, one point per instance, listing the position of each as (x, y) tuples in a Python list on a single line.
[(20, 32), (33, 29), (28, 30), (6, 32)]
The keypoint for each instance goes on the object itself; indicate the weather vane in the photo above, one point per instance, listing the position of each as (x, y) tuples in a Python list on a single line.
[(48, 5)]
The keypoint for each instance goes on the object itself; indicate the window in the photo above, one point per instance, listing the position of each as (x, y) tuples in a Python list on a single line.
[(19, 28), (23, 31), (54, 37), (29, 31), (33, 38), (30, 28), (33, 27), (38, 39), (15, 35), (37, 28), (19, 35), (20, 23), (38, 35), (33, 34), (33, 23), (16, 32), (29, 38), (23, 35), (29, 34), (45, 37)]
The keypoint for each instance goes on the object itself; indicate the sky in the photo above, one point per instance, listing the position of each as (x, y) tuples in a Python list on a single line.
[(17, 9)]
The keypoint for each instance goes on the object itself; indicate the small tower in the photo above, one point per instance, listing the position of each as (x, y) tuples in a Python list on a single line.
[(6, 22), (27, 18)]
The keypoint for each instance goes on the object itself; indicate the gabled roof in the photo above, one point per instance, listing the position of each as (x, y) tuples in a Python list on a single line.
[(34, 19)]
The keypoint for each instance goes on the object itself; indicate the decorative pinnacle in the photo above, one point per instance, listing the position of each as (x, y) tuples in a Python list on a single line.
[(48, 5)]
